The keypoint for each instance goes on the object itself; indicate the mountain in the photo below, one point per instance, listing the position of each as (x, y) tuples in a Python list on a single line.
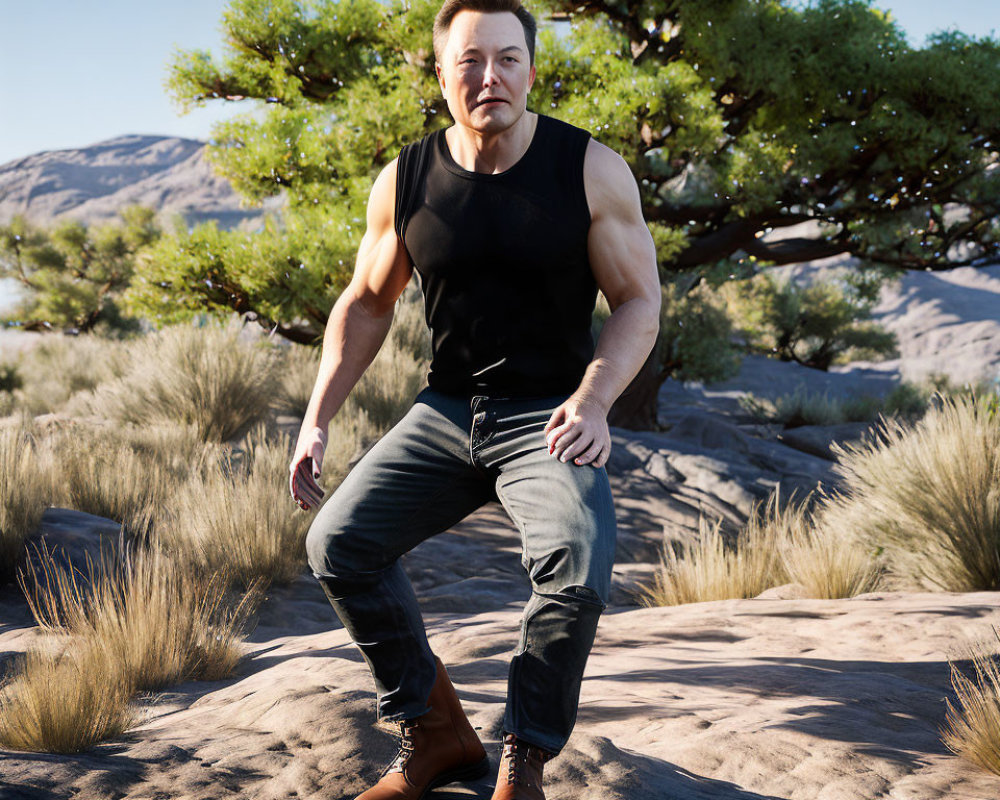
[(92, 184)]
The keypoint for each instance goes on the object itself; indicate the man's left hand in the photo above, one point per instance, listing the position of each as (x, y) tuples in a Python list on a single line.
[(578, 431)]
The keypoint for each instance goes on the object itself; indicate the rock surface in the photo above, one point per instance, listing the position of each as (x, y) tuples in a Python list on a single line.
[(730, 700)]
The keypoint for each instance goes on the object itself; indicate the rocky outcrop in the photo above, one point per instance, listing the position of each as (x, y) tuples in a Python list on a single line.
[(92, 184)]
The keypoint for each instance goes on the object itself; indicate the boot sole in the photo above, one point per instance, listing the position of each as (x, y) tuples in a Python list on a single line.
[(470, 773)]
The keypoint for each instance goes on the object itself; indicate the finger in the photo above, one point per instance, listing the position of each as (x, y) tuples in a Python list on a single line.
[(554, 420), (556, 433), (577, 446), (316, 459), (602, 459), (566, 440), (588, 455)]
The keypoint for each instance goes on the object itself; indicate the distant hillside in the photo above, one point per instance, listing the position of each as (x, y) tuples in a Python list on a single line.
[(92, 183)]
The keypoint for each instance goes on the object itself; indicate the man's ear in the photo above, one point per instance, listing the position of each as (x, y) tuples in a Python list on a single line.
[(440, 75), (531, 77)]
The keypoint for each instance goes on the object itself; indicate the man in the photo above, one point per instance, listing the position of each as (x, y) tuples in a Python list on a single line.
[(512, 221)]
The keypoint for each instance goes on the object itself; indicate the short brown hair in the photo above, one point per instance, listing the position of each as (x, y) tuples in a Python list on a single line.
[(442, 22)]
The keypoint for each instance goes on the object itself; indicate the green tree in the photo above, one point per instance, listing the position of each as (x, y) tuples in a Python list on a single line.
[(739, 118), (72, 274)]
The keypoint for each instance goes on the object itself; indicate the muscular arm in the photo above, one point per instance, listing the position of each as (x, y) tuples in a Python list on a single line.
[(355, 331), (623, 260)]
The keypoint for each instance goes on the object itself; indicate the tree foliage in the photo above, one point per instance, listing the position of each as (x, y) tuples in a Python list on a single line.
[(738, 118), (73, 275)]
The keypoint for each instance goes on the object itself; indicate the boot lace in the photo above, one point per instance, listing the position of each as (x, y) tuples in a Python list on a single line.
[(516, 753), (406, 747), (515, 756)]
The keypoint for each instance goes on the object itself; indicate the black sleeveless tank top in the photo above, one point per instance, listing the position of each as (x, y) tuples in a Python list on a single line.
[(502, 263)]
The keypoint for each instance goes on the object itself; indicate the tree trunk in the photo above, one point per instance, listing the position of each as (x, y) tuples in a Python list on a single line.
[(636, 408)]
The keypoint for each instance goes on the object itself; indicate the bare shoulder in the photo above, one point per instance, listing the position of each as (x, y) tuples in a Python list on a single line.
[(609, 183), (382, 200)]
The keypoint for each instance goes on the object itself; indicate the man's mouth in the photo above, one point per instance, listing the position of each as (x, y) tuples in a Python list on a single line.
[(488, 100)]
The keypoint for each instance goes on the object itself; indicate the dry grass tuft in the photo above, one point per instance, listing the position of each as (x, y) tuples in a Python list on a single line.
[(61, 366), (205, 376), (709, 570), (780, 544), (803, 407), (930, 495), (973, 731), (240, 517), (299, 367), (822, 556), (64, 702), (26, 488), (157, 620), (387, 389), (124, 473)]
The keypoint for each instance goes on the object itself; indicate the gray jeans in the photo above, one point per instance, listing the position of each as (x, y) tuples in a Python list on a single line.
[(448, 456)]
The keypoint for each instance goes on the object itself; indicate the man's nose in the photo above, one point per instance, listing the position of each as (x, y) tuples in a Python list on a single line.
[(490, 76)]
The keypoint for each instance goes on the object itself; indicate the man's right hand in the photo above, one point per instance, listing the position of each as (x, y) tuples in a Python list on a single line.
[(307, 463)]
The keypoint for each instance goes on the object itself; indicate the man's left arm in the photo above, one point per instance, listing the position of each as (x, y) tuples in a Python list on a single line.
[(623, 260)]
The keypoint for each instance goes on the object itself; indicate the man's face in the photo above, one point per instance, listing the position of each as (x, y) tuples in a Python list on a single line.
[(485, 75)]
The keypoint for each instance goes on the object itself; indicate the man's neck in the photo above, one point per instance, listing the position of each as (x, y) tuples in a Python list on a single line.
[(491, 153)]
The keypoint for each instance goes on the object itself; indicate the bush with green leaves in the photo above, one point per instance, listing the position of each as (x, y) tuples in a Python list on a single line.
[(816, 324)]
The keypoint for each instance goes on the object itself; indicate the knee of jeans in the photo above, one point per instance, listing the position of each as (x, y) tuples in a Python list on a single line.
[(329, 554), (581, 574)]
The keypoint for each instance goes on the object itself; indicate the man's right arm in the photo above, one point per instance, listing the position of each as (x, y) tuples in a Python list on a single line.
[(355, 331)]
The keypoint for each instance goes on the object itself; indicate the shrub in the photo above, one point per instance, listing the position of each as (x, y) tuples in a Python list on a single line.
[(26, 488), (10, 378), (695, 339), (822, 556), (973, 730), (64, 702), (299, 367), (815, 325), (205, 376), (929, 494), (385, 394), (386, 391), (409, 331), (803, 407)]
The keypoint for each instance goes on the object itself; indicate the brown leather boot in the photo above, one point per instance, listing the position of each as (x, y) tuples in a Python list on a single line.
[(436, 748), (520, 776)]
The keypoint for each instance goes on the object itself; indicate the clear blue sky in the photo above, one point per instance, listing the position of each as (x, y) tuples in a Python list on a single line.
[(73, 73)]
